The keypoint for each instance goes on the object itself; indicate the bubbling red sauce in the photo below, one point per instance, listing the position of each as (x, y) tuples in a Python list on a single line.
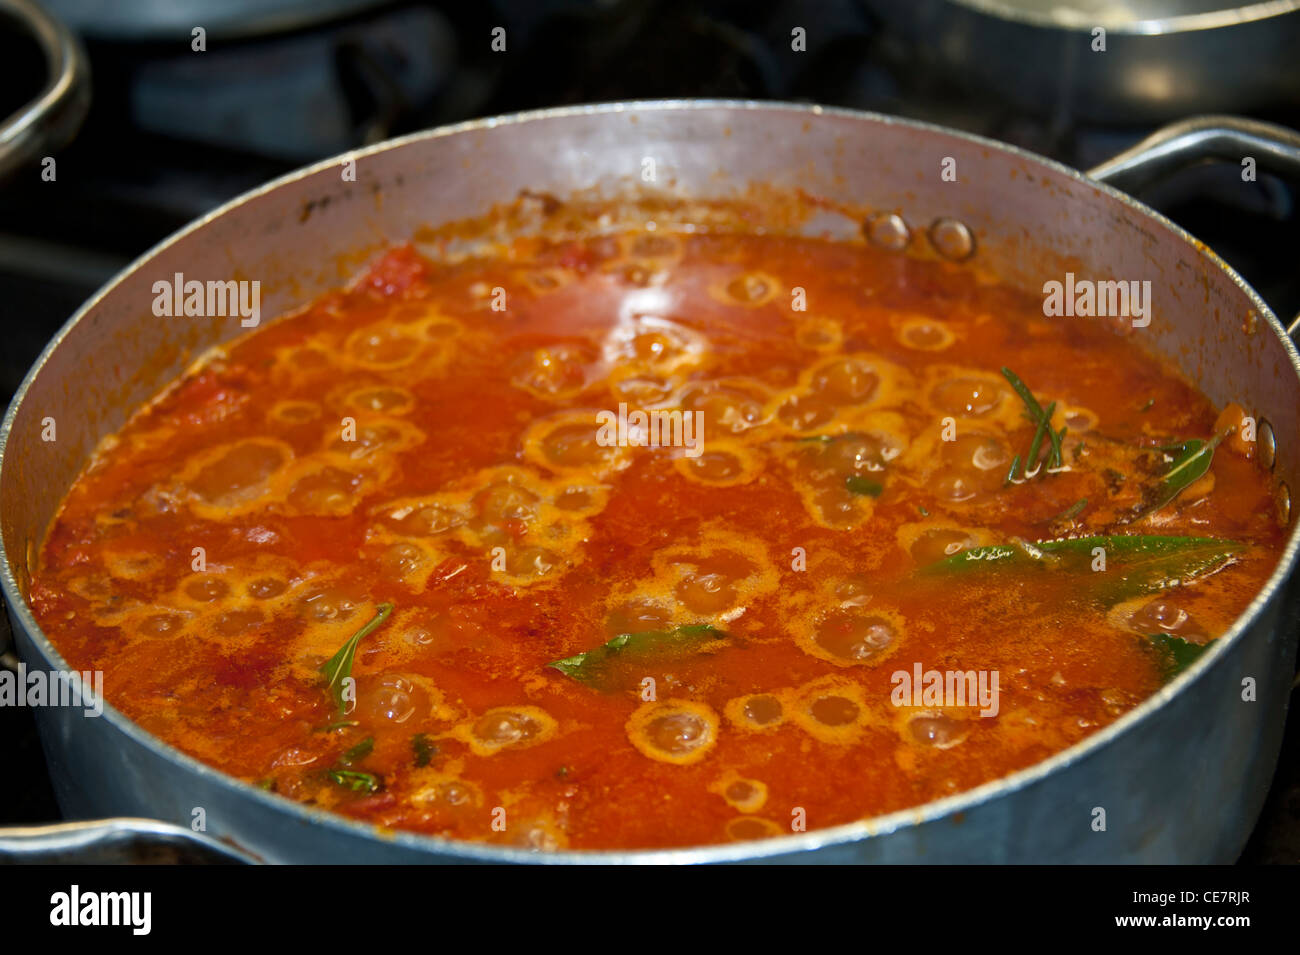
[(406, 442)]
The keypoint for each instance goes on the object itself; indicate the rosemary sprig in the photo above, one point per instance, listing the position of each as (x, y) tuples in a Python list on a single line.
[(357, 782), (1042, 421), (1071, 512), (359, 752), (1027, 396), (1012, 471), (339, 667), (424, 749), (1037, 443)]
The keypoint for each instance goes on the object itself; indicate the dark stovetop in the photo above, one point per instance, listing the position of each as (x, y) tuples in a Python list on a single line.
[(171, 135)]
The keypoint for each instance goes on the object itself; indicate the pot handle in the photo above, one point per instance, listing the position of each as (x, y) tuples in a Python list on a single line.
[(1274, 148), (50, 120), (115, 842)]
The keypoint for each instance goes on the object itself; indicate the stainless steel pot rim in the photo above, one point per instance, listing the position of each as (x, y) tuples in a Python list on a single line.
[(1062, 17), (950, 806)]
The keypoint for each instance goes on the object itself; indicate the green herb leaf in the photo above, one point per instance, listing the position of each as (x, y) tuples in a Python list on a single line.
[(1031, 403), (1135, 564), (857, 484), (1176, 653), (1037, 442), (828, 438), (1192, 459), (357, 782), (1012, 471), (1071, 512), (1042, 421), (424, 749), (339, 725), (599, 668), (339, 667), (359, 752)]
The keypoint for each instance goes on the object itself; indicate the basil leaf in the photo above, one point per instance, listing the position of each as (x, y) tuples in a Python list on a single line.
[(1176, 653), (1136, 564), (339, 667), (599, 668)]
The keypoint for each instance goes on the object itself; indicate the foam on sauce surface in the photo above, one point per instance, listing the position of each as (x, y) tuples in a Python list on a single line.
[(404, 442)]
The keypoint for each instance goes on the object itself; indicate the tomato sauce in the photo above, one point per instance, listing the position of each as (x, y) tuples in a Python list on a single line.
[(428, 440)]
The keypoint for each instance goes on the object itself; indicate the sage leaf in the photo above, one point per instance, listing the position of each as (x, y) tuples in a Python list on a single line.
[(1136, 564), (339, 667), (1176, 653), (1192, 459), (601, 668)]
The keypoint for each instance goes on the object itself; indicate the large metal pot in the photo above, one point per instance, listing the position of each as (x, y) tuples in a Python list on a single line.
[(1181, 777), (1158, 58)]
